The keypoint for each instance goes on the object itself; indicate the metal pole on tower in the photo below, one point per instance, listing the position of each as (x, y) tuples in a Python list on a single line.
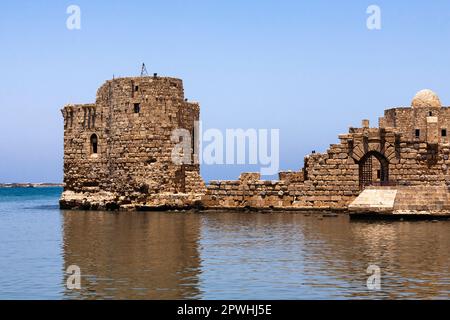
[(144, 70)]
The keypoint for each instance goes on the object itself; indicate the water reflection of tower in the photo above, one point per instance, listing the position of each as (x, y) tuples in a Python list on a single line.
[(133, 255)]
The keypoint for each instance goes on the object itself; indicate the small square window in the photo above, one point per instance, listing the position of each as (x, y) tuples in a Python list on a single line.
[(136, 88), (444, 132), (137, 108), (417, 133), (430, 114)]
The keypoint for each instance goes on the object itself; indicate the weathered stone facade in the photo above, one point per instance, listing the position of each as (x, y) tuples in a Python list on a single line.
[(118, 155), (409, 147), (118, 151)]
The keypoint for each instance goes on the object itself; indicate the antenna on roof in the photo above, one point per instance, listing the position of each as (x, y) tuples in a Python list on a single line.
[(144, 71)]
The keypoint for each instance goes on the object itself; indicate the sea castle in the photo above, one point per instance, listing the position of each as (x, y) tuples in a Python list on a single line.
[(118, 155)]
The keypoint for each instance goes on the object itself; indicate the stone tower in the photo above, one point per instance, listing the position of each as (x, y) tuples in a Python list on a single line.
[(118, 151)]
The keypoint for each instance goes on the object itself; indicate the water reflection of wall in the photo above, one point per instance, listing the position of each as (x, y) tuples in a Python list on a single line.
[(133, 255), (296, 256), (413, 256)]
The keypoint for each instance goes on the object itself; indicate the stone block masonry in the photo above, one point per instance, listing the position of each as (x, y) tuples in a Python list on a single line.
[(118, 155), (416, 202), (118, 151)]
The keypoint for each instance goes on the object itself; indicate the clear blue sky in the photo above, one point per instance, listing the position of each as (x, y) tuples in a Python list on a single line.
[(309, 68)]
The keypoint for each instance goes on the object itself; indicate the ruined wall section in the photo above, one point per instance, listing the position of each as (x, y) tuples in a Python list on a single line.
[(247, 192), (333, 177), (134, 121), (421, 164), (188, 118), (83, 171), (327, 181)]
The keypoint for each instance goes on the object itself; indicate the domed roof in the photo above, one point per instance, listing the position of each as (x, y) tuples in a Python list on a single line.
[(425, 99)]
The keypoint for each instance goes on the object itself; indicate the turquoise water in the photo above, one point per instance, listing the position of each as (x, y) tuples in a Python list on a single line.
[(222, 255)]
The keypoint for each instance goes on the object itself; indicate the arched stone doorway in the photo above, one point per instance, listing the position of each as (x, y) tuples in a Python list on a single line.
[(373, 169)]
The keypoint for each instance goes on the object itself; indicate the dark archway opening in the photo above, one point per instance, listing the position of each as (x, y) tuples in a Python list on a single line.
[(94, 144), (373, 170)]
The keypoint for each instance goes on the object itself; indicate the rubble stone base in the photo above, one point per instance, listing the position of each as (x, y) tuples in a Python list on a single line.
[(111, 201)]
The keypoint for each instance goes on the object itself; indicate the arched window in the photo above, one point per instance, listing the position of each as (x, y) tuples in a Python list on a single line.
[(94, 144)]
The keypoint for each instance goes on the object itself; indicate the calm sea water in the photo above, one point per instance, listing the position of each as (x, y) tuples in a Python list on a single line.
[(212, 255)]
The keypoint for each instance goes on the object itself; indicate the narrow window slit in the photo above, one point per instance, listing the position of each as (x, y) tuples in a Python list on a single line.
[(94, 144)]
